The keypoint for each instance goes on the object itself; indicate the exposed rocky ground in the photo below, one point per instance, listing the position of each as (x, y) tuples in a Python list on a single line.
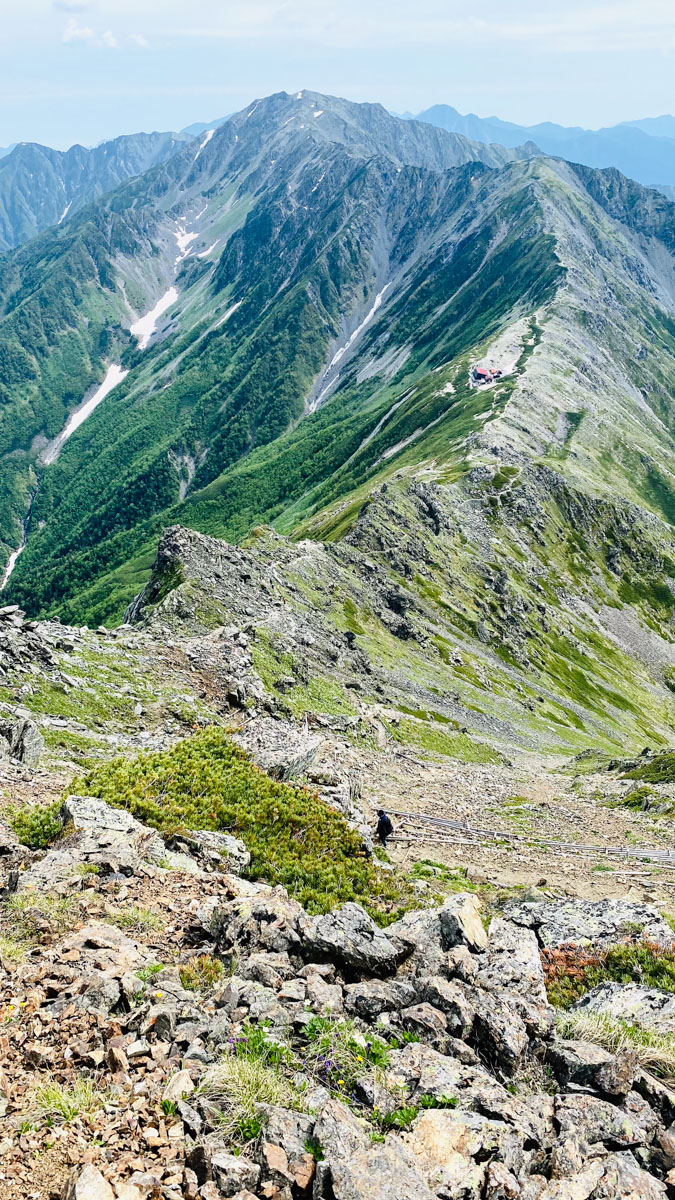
[(179, 1032), (170, 1028)]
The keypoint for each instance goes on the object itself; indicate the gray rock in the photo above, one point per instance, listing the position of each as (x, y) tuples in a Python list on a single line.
[(86, 1183), (233, 1173), (499, 1032), (8, 839), (282, 749), (21, 739), (379, 1173), (268, 921), (452, 1147), (512, 962), (587, 1065), (348, 936), (597, 923), (419, 1070), (89, 813), (427, 1021), (285, 1128), (452, 1000), (324, 998), (623, 1179), (339, 1132), (650, 1008), (374, 996), (267, 968), (597, 1120), (425, 936), (213, 849)]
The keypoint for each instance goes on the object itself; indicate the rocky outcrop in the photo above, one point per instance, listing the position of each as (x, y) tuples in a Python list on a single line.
[(599, 924), (418, 1061), (650, 1008), (21, 739)]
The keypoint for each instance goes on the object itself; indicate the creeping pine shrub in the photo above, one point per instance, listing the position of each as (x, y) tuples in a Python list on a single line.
[(37, 825), (570, 972), (295, 839), (659, 769)]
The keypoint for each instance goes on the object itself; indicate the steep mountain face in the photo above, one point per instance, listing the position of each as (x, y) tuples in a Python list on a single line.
[(316, 282), (70, 297), (643, 150), (40, 187)]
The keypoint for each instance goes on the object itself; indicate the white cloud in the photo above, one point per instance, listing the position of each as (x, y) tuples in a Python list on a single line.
[(84, 35), (138, 40), (74, 32)]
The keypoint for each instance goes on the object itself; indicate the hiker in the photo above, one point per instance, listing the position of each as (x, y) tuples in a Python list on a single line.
[(384, 827)]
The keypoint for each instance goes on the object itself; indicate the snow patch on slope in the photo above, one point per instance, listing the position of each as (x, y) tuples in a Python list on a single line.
[(207, 138), (359, 330), (145, 326), (115, 374)]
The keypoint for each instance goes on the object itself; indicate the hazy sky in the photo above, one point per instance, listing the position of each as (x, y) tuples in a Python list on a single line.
[(82, 70)]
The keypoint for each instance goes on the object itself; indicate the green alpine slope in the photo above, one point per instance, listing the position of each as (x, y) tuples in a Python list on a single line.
[(337, 275)]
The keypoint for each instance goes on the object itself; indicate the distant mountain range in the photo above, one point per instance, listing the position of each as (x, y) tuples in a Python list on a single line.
[(40, 187), (643, 150)]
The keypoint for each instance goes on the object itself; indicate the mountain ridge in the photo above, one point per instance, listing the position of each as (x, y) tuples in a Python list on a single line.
[(321, 351), (41, 187), (643, 150)]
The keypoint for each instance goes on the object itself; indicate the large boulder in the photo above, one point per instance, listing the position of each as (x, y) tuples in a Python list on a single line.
[(267, 921), (512, 962), (379, 1173), (283, 750), (453, 1149), (425, 936), (371, 997), (623, 1179), (21, 739), (349, 937), (355, 1169), (583, 1064), (597, 1120), (213, 849), (594, 923), (114, 841), (647, 1007)]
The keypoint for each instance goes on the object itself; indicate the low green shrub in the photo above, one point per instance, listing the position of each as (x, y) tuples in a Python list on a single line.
[(295, 839), (201, 973), (37, 825), (570, 971), (658, 769)]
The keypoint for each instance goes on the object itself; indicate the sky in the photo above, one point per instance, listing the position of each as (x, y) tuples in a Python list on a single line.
[(86, 70)]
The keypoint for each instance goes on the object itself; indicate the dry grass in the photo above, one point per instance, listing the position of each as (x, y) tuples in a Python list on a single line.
[(59, 1105), (27, 910), (132, 917), (13, 950), (655, 1051), (238, 1085)]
